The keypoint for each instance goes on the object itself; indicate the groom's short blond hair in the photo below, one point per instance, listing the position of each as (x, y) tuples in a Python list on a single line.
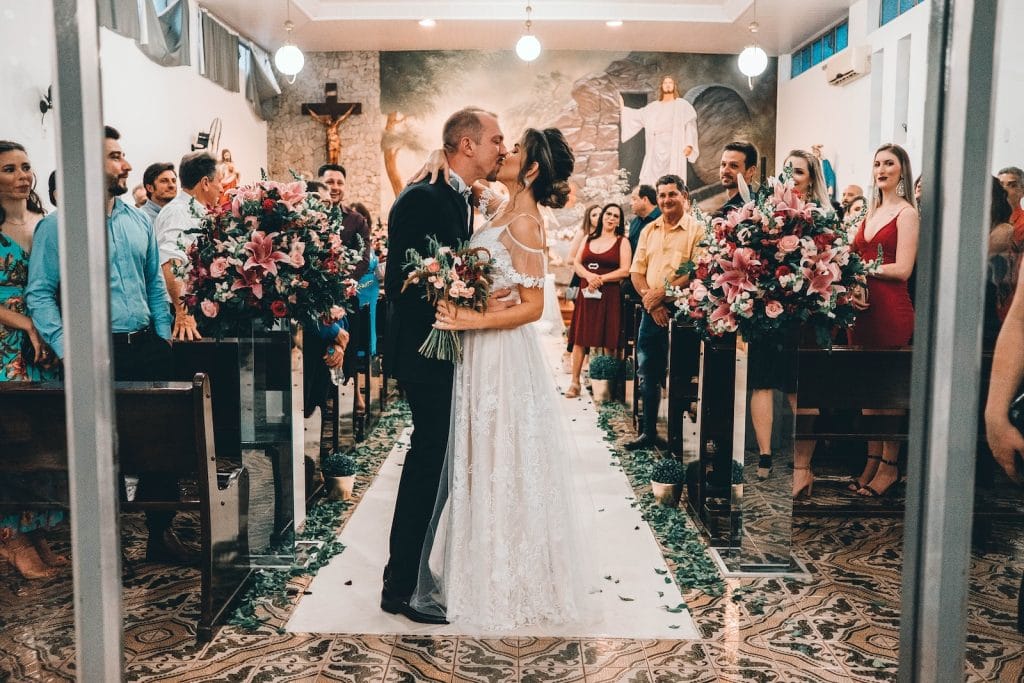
[(465, 123)]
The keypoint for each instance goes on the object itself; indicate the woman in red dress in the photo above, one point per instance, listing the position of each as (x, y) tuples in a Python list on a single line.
[(602, 262), (886, 317)]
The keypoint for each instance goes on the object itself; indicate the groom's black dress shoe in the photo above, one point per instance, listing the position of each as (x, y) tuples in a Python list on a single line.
[(396, 606), (645, 442)]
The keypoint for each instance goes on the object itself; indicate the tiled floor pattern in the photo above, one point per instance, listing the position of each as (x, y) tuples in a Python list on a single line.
[(843, 625)]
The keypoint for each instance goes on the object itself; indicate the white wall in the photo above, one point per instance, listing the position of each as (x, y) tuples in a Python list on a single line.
[(1008, 120), (840, 117), (158, 109)]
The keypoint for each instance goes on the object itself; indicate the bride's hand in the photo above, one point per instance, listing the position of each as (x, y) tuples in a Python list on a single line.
[(451, 317), (436, 163), (495, 300)]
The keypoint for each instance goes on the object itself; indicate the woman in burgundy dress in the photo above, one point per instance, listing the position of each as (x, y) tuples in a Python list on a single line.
[(602, 262), (886, 317)]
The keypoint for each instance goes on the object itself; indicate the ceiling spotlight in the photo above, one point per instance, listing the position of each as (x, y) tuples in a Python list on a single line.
[(753, 60), (528, 47), (289, 59), (428, 23), (615, 23)]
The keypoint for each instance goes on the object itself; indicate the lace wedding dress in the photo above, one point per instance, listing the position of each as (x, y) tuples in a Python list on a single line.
[(505, 548)]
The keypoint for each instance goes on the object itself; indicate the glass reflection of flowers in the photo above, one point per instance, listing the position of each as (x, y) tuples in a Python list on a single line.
[(775, 264), (271, 251)]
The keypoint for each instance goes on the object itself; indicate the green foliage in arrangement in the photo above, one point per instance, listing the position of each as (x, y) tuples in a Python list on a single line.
[(668, 471), (607, 367), (338, 464)]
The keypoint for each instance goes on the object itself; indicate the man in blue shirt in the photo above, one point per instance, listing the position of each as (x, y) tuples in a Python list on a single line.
[(139, 316)]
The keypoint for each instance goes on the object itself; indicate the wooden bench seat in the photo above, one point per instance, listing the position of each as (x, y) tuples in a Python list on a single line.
[(163, 429)]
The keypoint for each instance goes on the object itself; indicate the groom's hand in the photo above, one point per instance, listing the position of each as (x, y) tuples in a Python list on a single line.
[(495, 303)]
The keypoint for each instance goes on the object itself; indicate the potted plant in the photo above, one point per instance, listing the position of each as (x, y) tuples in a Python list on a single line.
[(339, 472), (667, 476), (604, 372)]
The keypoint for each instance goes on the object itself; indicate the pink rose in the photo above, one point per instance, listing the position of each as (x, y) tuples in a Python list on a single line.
[(773, 309), (789, 243), (210, 308), (218, 267)]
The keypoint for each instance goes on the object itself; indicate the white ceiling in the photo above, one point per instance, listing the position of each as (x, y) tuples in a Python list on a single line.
[(709, 26)]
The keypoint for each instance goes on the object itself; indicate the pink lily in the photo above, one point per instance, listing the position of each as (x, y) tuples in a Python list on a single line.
[(262, 254)]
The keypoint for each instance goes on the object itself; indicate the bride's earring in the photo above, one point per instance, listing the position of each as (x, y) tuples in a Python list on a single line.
[(901, 189)]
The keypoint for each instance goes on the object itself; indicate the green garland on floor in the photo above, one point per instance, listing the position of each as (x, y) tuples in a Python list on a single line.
[(682, 544), (269, 587)]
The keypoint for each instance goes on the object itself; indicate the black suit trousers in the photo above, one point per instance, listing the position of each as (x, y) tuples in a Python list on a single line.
[(417, 490)]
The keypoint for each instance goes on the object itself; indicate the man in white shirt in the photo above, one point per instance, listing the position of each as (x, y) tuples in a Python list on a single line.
[(201, 187)]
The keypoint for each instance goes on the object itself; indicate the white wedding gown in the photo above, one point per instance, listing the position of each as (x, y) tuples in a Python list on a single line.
[(505, 548)]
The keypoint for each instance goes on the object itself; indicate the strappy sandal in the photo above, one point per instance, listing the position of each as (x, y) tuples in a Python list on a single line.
[(764, 465), (573, 391), (856, 484), (868, 492)]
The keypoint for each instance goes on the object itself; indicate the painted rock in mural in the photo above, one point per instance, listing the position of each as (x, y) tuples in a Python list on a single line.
[(722, 116)]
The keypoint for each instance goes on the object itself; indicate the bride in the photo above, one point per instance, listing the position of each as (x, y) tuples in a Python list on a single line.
[(505, 547)]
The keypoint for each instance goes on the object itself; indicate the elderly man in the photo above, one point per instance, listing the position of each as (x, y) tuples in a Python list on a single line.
[(664, 246), (850, 193), (201, 188)]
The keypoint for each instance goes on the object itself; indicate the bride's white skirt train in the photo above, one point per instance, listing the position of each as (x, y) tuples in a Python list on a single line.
[(506, 547)]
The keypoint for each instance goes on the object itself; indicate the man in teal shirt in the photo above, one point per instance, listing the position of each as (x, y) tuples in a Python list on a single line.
[(140, 320)]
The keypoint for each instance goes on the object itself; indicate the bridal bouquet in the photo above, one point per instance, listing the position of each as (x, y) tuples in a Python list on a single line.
[(269, 252), (460, 276), (777, 263)]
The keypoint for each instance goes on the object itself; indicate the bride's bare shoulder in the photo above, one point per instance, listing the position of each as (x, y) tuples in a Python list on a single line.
[(528, 230)]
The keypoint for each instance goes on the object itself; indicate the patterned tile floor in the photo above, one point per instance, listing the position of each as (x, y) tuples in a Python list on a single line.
[(842, 625)]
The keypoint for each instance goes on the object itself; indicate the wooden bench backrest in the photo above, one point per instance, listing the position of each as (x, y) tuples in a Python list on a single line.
[(852, 378), (160, 426)]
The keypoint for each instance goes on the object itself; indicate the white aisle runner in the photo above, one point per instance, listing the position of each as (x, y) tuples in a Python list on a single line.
[(633, 595)]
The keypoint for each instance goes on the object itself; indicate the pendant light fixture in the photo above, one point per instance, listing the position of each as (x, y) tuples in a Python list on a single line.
[(753, 60), (289, 59), (528, 47)]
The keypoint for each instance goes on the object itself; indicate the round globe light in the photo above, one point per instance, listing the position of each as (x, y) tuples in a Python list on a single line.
[(528, 48), (289, 60), (753, 61)]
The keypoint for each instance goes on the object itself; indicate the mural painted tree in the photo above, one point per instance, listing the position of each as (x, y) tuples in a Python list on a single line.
[(410, 83)]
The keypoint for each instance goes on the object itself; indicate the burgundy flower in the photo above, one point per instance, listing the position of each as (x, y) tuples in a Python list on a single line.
[(279, 309)]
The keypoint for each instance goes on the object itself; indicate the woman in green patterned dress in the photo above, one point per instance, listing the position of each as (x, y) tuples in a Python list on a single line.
[(22, 540)]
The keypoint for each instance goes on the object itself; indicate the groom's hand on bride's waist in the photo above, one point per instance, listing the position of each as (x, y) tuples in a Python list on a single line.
[(495, 303)]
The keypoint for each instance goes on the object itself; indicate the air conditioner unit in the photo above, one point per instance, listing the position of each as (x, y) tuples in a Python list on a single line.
[(848, 65)]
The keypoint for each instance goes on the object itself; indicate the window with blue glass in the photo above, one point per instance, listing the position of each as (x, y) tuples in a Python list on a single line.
[(821, 48), (890, 9)]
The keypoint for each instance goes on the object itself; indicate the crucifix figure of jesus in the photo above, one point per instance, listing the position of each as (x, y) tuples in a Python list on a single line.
[(331, 114), (333, 139)]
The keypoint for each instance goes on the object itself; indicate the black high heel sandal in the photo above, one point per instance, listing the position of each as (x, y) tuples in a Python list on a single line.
[(856, 484), (764, 465), (889, 490)]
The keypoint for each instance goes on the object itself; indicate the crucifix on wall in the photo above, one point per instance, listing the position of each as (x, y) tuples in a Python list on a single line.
[(331, 114)]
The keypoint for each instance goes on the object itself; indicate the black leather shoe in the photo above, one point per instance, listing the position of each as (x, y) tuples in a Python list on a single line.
[(645, 442), (396, 606), (167, 547)]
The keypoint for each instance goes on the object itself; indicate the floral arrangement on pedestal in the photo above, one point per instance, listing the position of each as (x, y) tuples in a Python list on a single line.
[(775, 264), (270, 252)]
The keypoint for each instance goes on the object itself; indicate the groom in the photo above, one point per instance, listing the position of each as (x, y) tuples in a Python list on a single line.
[(474, 147)]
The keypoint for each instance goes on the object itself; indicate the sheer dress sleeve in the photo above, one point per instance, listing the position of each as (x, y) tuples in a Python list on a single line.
[(529, 265)]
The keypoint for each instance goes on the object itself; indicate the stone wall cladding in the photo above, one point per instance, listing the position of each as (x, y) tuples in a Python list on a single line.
[(297, 142)]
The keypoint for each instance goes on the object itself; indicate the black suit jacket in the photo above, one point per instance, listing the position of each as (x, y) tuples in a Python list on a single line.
[(421, 211)]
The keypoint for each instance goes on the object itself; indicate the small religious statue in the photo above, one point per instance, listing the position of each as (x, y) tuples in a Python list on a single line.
[(228, 173), (670, 124), (331, 114)]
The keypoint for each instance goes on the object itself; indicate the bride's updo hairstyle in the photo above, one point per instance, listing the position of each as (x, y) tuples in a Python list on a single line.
[(555, 162)]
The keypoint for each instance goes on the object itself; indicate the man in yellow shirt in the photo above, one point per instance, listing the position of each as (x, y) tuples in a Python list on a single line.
[(664, 246)]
